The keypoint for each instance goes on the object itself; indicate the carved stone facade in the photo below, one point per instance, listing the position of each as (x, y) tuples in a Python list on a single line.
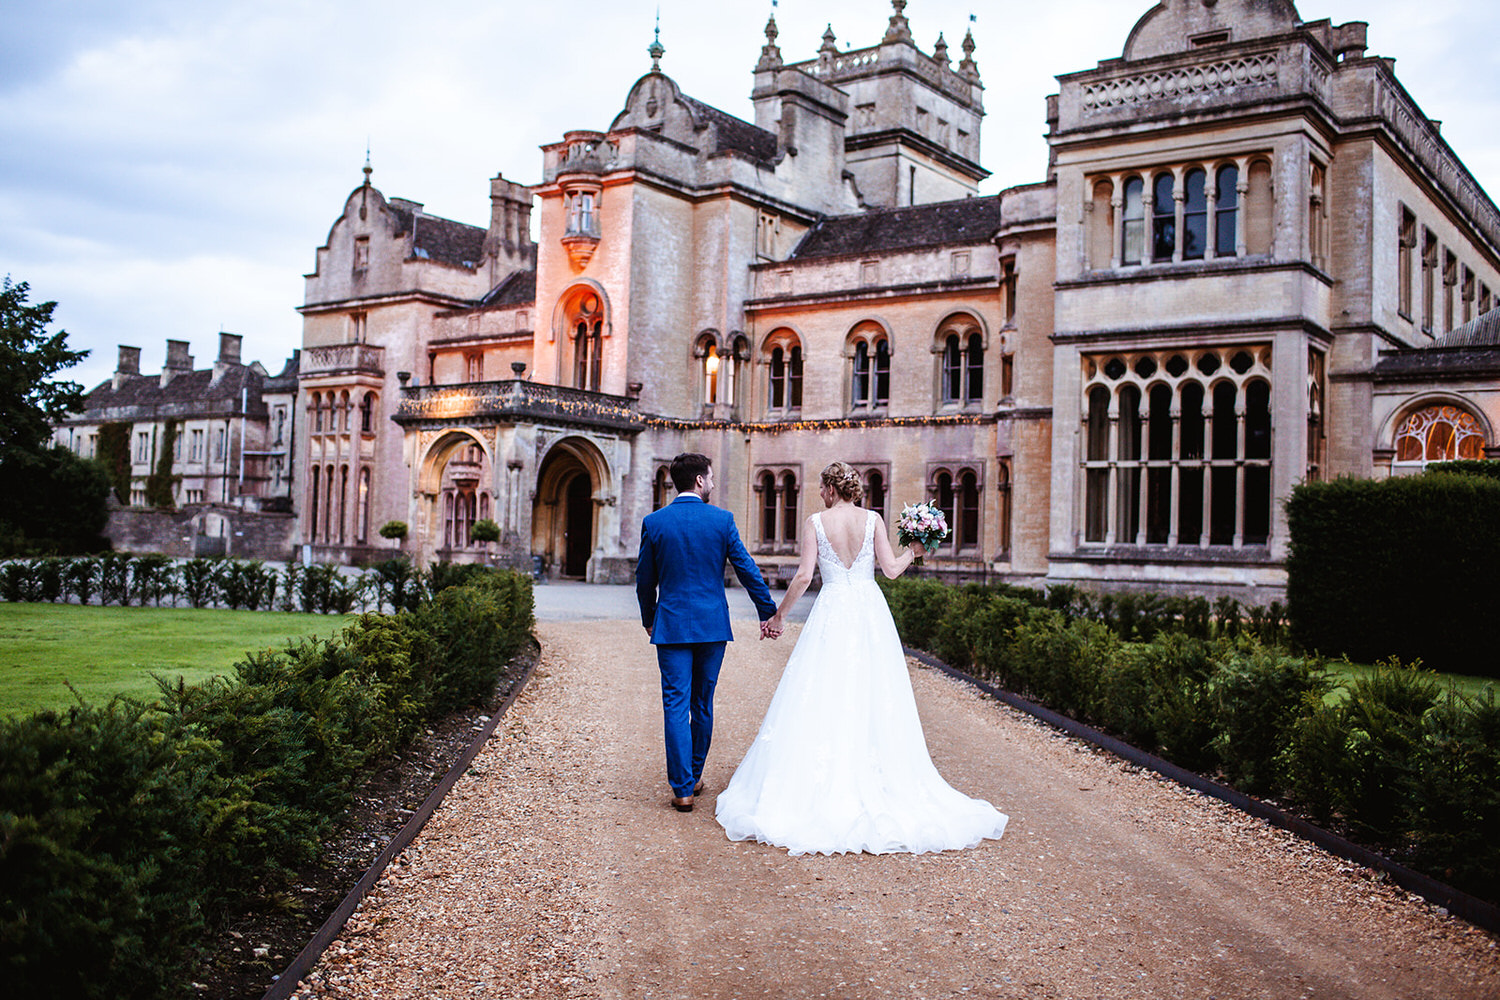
[(1111, 377)]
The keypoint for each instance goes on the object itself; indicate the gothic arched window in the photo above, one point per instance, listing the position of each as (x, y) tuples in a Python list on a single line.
[(1438, 433)]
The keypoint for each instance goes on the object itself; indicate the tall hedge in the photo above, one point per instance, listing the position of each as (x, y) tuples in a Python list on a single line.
[(1405, 567)]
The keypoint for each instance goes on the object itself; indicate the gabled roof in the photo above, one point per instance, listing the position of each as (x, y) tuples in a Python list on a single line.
[(517, 289), (734, 133), (969, 220), (440, 239), (1475, 347)]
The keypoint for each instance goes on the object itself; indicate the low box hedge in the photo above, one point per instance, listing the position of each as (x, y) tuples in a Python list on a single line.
[(128, 830), (1401, 764)]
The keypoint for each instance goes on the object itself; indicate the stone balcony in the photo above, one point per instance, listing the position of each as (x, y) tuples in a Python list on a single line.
[(343, 359), (516, 401)]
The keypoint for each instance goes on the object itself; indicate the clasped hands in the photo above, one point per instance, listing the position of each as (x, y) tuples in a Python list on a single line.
[(771, 628)]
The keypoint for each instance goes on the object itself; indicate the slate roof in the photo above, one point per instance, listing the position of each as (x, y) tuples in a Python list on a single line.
[(1473, 347), (969, 220), (517, 289), (440, 239), (186, 394), (734, 133)]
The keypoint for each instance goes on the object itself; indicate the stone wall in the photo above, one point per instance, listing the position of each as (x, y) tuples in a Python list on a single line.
[(208, 529)]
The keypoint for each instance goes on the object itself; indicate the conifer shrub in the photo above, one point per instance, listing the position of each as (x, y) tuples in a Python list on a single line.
[(1258, 693), (127, 831), (102, 853), (1399, 764)]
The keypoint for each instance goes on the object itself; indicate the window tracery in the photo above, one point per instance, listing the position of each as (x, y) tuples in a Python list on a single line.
[(1177, 447), (869, 351), (783, 354), (960, 348), (1193, 211), (1437, 433)]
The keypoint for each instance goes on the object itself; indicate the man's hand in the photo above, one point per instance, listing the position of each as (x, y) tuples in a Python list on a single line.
[(771, 627), (648, 631)]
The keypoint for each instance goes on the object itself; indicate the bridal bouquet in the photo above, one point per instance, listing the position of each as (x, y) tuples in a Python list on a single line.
[(923, 523)]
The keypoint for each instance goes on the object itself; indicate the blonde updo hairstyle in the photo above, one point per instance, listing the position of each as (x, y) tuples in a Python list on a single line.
[(845, 481)]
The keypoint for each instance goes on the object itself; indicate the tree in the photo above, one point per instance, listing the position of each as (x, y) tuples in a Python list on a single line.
[(31, 401), (49, 497)]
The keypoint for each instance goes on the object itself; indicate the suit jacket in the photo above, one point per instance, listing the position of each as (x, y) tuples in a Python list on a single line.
[(679, 578)]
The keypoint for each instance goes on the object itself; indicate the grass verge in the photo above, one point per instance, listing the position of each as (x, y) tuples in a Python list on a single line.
[(1344, 674), (108, 651)]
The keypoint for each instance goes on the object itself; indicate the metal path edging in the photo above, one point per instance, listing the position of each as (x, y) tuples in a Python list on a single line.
[(301, 965)]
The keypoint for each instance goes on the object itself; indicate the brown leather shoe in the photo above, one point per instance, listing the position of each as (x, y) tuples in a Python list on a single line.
[(683, 805), (698, 788)]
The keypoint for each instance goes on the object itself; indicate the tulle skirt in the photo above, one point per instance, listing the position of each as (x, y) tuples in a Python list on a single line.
[(840, 763)]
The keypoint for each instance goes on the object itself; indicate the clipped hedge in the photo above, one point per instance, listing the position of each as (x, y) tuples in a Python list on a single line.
[(1404, 766), (127, 831), (1405, 567), (116, 578)]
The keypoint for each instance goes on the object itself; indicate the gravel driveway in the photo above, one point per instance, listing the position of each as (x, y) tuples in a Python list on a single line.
[(556, 869)]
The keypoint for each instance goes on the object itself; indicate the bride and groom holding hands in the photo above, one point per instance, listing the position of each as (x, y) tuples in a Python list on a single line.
[(840, 763)]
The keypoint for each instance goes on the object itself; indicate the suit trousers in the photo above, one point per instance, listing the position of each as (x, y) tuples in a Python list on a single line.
[(689, 672)]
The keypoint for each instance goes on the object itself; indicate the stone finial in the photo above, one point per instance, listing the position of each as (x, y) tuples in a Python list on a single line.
[(968, 68), (830, 42), (770, 55), (900, 29), (940, 51), (656, 50)]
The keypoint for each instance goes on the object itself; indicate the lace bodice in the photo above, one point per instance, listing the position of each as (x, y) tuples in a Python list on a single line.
[(834, 571)]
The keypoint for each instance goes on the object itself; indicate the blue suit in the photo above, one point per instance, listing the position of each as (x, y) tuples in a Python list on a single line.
[(679, 582)]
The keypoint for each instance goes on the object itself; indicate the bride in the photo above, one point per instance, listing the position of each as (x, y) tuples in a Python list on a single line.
[(840, 763)]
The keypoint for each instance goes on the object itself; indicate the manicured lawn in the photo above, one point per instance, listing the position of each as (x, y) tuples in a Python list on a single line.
[(109, 651), (1344, 674)]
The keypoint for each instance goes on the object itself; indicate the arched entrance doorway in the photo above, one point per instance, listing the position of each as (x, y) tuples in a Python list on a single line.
[(565, 522), (578, 525), (457, 480)]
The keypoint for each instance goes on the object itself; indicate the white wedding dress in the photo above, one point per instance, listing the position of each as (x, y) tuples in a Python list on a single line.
[(840, 763)]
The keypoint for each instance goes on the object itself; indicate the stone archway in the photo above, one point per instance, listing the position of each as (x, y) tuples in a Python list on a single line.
[(565, 521), (456, 484)]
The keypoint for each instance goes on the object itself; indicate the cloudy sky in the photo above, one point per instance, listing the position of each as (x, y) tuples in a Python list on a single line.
[(168, 167)]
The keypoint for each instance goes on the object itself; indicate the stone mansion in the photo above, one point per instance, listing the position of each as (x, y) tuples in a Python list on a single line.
[(1251, 261)]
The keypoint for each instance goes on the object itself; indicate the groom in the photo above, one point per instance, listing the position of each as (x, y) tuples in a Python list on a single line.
[(679, 582)]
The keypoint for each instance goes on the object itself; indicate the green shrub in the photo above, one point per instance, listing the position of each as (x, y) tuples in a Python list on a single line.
[(479, 628), (917, 606), (397, 584), (114, 579), (994, 627), (1403, 567), (200, 582), (1383, 722), (1062, 663), (247, 583), (101, 854), (1456, 806), (81, 578), (153, 577), (1258, 694), (1156, 694)]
